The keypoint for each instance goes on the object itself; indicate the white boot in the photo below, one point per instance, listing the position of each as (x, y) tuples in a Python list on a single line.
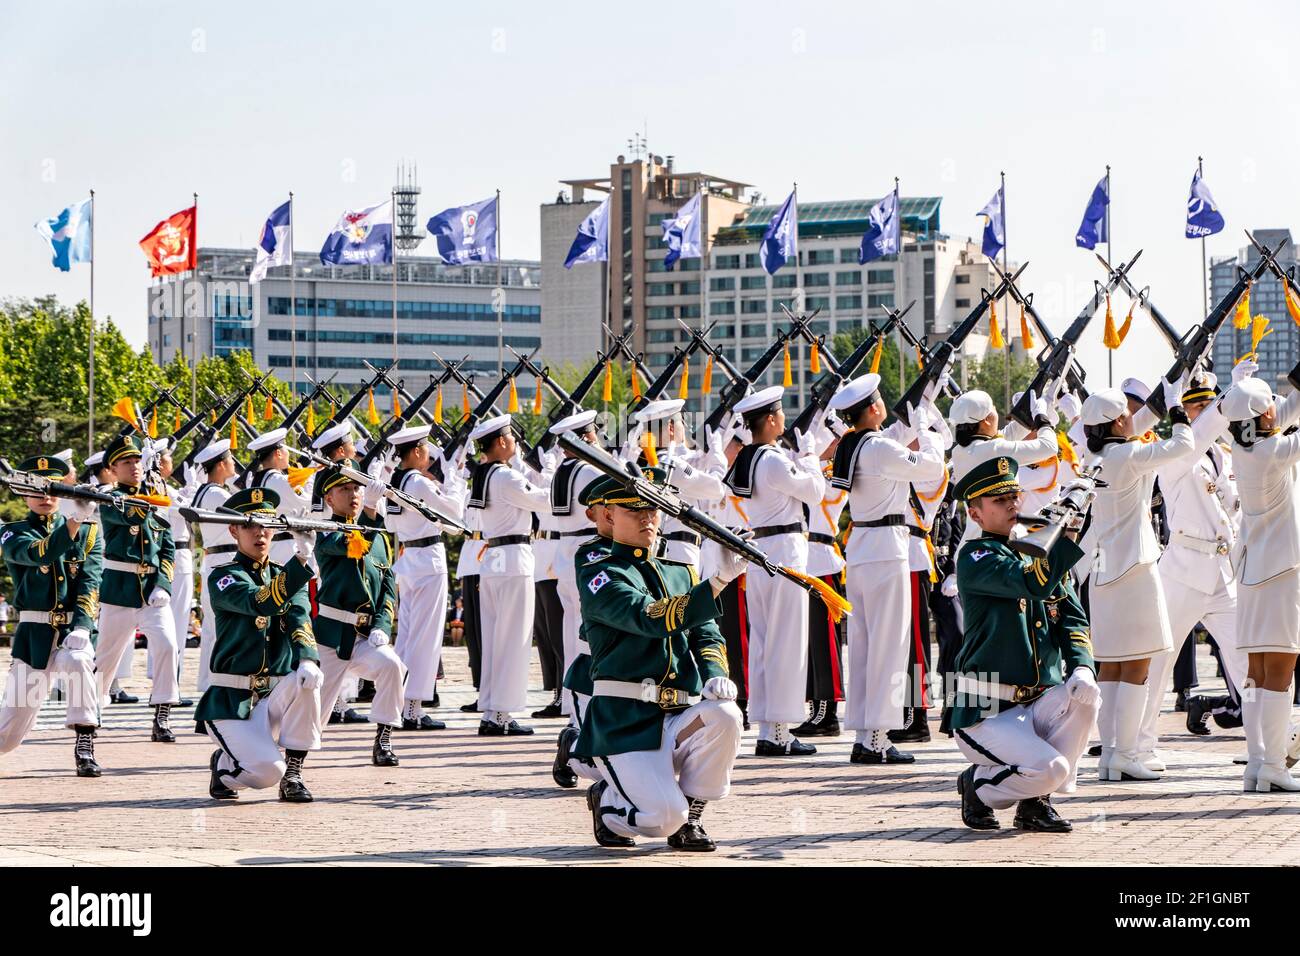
[(1106, 725), (1251, 720), (1275, 709), (1162, 665), (1130, 699)]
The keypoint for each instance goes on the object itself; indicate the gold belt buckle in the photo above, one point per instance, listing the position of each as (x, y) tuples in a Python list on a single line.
[(259, 684), (143, 569), (1021, 694), (363, 619), (59, 618), (669, 697), (1221, 546)]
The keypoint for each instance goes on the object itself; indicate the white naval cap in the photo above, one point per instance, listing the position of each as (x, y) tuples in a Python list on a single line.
[(1247, 399), (268, 439), (1136, 388), (95, 460), (760, 399), (215, 450), (970, 407), (579, 422), (490, 426), (330, 435), (1076, 435), (663, 408), (407, 436), (1104, 406), (858, 390)]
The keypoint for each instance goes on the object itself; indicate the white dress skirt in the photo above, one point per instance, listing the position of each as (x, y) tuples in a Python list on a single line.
[(1128, 615), (1268, 615)]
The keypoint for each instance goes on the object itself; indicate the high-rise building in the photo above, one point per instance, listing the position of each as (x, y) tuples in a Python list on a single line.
[(1277, 352)]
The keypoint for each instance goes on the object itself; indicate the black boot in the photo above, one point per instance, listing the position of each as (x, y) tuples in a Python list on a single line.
[(822, 721), (122, 697), (744, 713), (561, 773), (891, 754), (917, 730), (365, 691), (469, 708), (488, 728), (975, 813), (691, 836), (1180, 702), (84, 752), (351, 716), (292, 789), (551, 710), (604, 835), (1038, 814), (1198, 714), (794, 747), (162, 728), (381, 754), (216, 789)]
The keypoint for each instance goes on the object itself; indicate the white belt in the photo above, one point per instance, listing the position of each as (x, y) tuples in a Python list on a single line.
[(260, 684), (52, 618), (1015, 693), (128, 567), (646, 691), (1218, 546), (355, 618), (584, 647)]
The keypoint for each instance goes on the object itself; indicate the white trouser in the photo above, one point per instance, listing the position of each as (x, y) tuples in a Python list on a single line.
[(879, 631), (1028, 750), (566, 586), (207, 628), (182, 597), (421, 617), (649, 790), (378, 664), (506, 629), (1218, 612), (777, 615), (128, 660), (288, 717), (117, 627), (28, 687), (577, 706)]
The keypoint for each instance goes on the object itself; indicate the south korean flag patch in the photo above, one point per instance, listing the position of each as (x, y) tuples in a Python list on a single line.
[(6, 536), (225, 582), (598, 582)]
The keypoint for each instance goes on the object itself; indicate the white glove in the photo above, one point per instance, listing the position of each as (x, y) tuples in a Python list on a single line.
[(375, 467), (919, 417), (1243, 369), (159, 598), (714, 457), (1174, 390), (76, 639), (806, 443), (377, 638), (822, 435), (631, 449), (74, 509), (949, 586), (731, 565), (1069, 406), (374, 492), (1039, 408), (304, 543), (719, 688), (551, 460), (309, 675), (1082, 686)]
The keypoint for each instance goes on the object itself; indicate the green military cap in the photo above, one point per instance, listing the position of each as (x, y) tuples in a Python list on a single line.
[(333, 476), (997, 476), (625, 497), (47, 466), (123, 446), (595, 492), (253, 501)]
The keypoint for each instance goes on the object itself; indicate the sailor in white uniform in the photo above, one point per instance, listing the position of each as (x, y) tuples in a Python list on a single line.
[(272, 471), (218, 470)]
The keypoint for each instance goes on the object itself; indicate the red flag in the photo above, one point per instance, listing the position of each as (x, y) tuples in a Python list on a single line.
[(172, 245)]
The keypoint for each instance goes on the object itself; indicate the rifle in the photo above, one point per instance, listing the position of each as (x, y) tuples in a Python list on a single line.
[(223, 419), (1195, 345), (354, 399), (1163, 325), (399, 388), (1074, 373), (161, 394), (1054, 361), (278, 523), (937, 364), (666, 501), (397, 422), (1057, 517), (480, 411), (291, 416), (1286, 276), (567, 403), (680, 357), (618, 344), (26, 483), (437, 430), (700, 337), (740, 386), (923, 351)]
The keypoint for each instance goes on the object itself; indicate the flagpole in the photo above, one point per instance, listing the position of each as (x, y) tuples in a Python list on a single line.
[(194, 358), (500, 291), (1205, 276), (1006, 319), (293, 309), (898, 334), (1110, 353), (801, 301), (704, 272), (392, 199), (90, 377)]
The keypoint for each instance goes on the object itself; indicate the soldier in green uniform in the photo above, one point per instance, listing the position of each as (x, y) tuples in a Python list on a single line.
[(264, 686), (1025, 695), (54, 555), (355, 609), (655, 649)]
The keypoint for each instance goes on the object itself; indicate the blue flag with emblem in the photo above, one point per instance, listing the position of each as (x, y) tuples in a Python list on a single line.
[(466, 233), (275, 246), (1093, 228), (361, 237), (781, 241), (68, 235), (591, 244), (884, 231), (1203, 217), (682, 233), (995, 236)]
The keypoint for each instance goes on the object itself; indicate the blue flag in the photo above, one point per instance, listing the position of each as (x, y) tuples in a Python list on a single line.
[(885, 232), (995, 234), (1203, 217), (682, 233), (781, 241), (276, 245), (466, 233), (361, 237), (591, 244), (68, 234), (1093, 228)]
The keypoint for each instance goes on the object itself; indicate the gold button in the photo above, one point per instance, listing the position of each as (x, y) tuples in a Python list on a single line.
[(672, 676), (637, 553), (1038, 624)]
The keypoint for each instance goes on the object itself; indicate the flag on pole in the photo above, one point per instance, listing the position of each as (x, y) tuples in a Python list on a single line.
[(361, 237), (172, 245), (466, 233), (1203, 217), (781, 241), (682, 233), (1093, 228), (995, 235), (591, 244), (884, 234), (273, 248), (68, 234)]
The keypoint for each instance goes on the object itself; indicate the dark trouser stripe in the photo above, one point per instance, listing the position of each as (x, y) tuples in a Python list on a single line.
[(988, 755), (221, 742), (631, 817), (997, 778)]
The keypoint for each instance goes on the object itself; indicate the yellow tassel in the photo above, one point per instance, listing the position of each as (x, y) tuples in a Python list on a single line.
[(815, 361), (437, 407), (684, 388), (1128, 323), (651, 453), (176, 422), (311, 419), (1292, 306), (1110, 337), (158, 501), (1026, 336), (875, 358), (636, 384), (1241, 318), (537, 398), (464, 399), (248, 408), (836, 606), (268, 410), (1258, 331), (372, 413), (358, 546), (787, 379), (214, 416), (920, 359), (332, 410), (607, 393), (298, 476), (234, 435), (706, 386), (1066, 449), (513, 407), (397, 405), (153, 423), (995, 330), (124, 409)]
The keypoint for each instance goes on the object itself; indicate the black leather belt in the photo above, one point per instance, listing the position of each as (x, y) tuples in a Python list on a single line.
[(767, 530), (888, 521), (221, 549), (818, 538), (423, 542), (548, 535), (508, 539), (183, 546), (583, 532), (916, 532), (686, 537)]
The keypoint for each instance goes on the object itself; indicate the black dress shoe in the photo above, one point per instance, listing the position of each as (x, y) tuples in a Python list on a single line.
[(975, 813), (84, 753), (1198, 715), (216, 789), (161, 732), (1038, 814), (469, 708), (692, 838), (863, 754), (335, 717), (351, 716), (184, 702), (1180, 702), (365, 691), (437, 701), (293, 790), (122, 697), (1094, 751), (192, 642), (561, 773), (487, 728), (915, 734), (424, 723), (381, 754), (550, 710), (792, 748), (604, 835)]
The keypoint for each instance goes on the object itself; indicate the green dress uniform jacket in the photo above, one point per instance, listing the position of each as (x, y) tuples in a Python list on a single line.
[(645, 620), (588, 563), (52, 571), (263, 619), (1024, 624), (364, 585), (138, 536)]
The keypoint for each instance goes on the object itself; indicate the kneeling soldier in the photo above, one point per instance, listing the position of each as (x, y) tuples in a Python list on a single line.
[(655, 647), (264, 687), (1015, 715)]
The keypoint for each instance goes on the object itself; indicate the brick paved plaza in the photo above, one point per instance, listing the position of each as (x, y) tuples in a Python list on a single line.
[(463, 800)]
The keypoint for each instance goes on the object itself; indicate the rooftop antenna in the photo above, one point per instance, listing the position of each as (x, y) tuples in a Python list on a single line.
[(406, 195)]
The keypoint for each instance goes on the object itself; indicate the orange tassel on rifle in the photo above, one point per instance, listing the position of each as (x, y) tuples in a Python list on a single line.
[(648, 447), (537, 399), (124, 409), (176, 422), (1066, 449), (1258, 331), (684, 388), (372, 413), (153, 423), (1026, 336), (311, 419), (1292, 306), (248, 407), (706, 386), (875, 358), (437, 407), (836, 606), (397, 406), (234, 435), (513, 407), (636, 384), (268, 410), (788, 378), (607, 392), (358, 546), (815, 361), (298, 476), (1128, 323), (1110, 337), (464, 399), (995, 330), (1241, 318)]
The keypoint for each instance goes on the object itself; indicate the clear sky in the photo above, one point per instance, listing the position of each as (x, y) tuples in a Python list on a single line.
[(242, 102)]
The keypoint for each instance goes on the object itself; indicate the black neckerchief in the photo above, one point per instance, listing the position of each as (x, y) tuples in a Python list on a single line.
[(846, 458), (562, 490), (740, 476), (480, 473)]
